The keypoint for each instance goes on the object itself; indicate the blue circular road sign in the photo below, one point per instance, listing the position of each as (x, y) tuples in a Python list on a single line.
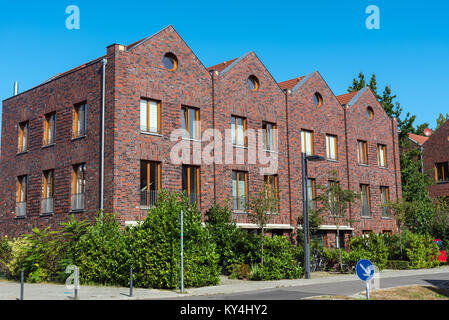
[(365, 270)]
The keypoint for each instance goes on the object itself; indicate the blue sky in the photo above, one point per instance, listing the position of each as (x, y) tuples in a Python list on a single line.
[(410, 51)]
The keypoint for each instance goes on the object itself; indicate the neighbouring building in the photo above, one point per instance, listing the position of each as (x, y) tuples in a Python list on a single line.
[(52, 163)]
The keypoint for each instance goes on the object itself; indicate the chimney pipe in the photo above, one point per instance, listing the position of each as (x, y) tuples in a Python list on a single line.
[(16, 88)]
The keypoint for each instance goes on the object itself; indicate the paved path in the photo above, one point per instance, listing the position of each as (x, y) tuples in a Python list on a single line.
[(236, 289)]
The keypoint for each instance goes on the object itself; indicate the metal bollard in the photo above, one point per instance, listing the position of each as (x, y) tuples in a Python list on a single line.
[(131, 281), (21, 284), (76, 283)]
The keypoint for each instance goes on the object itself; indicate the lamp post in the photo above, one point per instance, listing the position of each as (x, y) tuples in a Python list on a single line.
[(304, 159)]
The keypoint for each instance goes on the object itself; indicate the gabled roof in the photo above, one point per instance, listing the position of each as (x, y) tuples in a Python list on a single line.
[(221, 66), (417, 138), (290, 84)]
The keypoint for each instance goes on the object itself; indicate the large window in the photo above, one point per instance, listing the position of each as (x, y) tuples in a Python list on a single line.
[(384, 198), (441, 172), (311, 193), (307, 142), (362, 152), (270, 131), (272, 183), (382, 155), (79, 121), (78, 187), (331, 147), (23, 136), (191, 183), (191, 122), (21, 205), (49, 129), (333, 195), (150, 116), (48, 189), (365, 201), (239, 189), (150, 182), (238, 128)]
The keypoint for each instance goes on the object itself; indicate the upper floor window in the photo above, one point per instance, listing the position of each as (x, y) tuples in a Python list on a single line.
[(382, 155), (362, 152), (369, 113), (331, 147), (79, 121), (191, 183), (365, 200), (150, 182), (48, 189), (170, 61), (78, 187), (150, 116), (311, 193), (49, 128), (317, 99), (270, 131), (239, 189), (238, 128), (384, 198), (191, 122), (441, 172), (23, 136), (21, 205), (253, 83), (333, 196), (307, 142), (272, 184)]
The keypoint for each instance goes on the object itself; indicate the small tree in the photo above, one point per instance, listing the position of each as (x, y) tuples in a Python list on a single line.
[(336, 201), (399, 209), (261, 208)]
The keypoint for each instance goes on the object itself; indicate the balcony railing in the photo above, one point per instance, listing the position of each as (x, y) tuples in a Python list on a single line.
[(21, 209), (47, 205), (148, 198), (239, 203), (78, 201)]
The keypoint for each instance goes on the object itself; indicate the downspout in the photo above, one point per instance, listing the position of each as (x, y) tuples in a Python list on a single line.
[(394, 155), (347, 163), (213, 126), (288, 158), (103, 94)]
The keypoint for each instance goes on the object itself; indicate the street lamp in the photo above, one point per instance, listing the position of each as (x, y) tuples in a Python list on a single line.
[(304, 159)]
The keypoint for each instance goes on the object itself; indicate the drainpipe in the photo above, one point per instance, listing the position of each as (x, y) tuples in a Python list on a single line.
[(16, 88), (103, 90)]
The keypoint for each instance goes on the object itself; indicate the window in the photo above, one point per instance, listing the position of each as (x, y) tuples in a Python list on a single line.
[(23, 136), (382, 155), (170, 61), (79, 123), (253, 83), (441, 172), (150, 116), (272, 184), (191, 122), (270, 130), (307, 142), (321, 238), (366, 233), (239, 189), (387, 232), (317, 99), (191, 183), (150, 182), (78, 187), (333, 196), (384, 198), (365, 200), (49, 129), (331, 147), (362, 152), (311, 193), (48, 188), (238, 128), (369, 113), (21, 205)]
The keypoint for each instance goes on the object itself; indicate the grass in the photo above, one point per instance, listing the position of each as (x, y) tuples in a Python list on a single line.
[(415, 292)]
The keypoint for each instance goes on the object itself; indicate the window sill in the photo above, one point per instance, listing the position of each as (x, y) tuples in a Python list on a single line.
[(45, 215), (148, 133), (48, 145), (237, 211), (191, 139), (271, 151), (239, 147), (19, 217), (78, 211), (78, 138), (386, 218), (380, 167), (363, 165), (332, 160), (23, 152), (366, 217), (442, 182)]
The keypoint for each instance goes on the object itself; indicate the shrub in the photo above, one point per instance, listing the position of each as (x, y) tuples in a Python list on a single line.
[(5, 255), (239, 271), (397, 264), (155, 247), (372, 247), (422, 252), (19, 250), (332, 258)]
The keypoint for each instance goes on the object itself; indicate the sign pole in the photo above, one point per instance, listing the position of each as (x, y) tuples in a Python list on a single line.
[(182, 253), (367, 289)]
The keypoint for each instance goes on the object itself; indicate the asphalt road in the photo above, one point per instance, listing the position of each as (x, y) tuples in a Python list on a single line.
[(346, 288)]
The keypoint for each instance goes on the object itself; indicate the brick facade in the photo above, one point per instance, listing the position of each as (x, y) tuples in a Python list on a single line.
[(137, 71)]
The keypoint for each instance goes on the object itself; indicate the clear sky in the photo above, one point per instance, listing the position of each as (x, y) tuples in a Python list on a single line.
[(410, 52)]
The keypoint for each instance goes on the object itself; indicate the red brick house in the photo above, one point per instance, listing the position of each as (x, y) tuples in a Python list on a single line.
[(52, 142)]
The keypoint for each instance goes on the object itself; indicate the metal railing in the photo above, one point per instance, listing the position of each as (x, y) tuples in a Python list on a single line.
[(239, 203), (21, 209), (78, 201), (148, 198), (47, 205)]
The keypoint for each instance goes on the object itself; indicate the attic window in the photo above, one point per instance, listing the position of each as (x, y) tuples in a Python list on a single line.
[(253, 83), (369, 113), (170, 61), (317, 99)]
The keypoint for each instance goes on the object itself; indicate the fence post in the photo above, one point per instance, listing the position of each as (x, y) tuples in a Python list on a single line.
[(76, 282), (21, 284), (131, 281), (182, 252)]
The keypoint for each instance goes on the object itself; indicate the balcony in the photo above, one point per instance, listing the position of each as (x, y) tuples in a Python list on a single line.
[(47, 205), (239, 203), (148, 198), (78, 201), (21, 209)]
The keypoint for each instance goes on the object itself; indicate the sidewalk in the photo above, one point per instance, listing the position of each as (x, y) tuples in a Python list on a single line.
[(10, 290)]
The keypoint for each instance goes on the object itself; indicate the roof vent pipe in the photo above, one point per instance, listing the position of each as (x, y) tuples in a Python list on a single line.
[(16, 88)]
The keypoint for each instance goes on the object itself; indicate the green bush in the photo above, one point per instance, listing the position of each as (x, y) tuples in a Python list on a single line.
[(239, 271), (5, 255), (332, 258), (19, 251), (372, 247), (397, 264), (155, 247), (422, 252)]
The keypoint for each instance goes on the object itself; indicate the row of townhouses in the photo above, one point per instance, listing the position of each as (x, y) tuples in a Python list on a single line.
[(105, 135)]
